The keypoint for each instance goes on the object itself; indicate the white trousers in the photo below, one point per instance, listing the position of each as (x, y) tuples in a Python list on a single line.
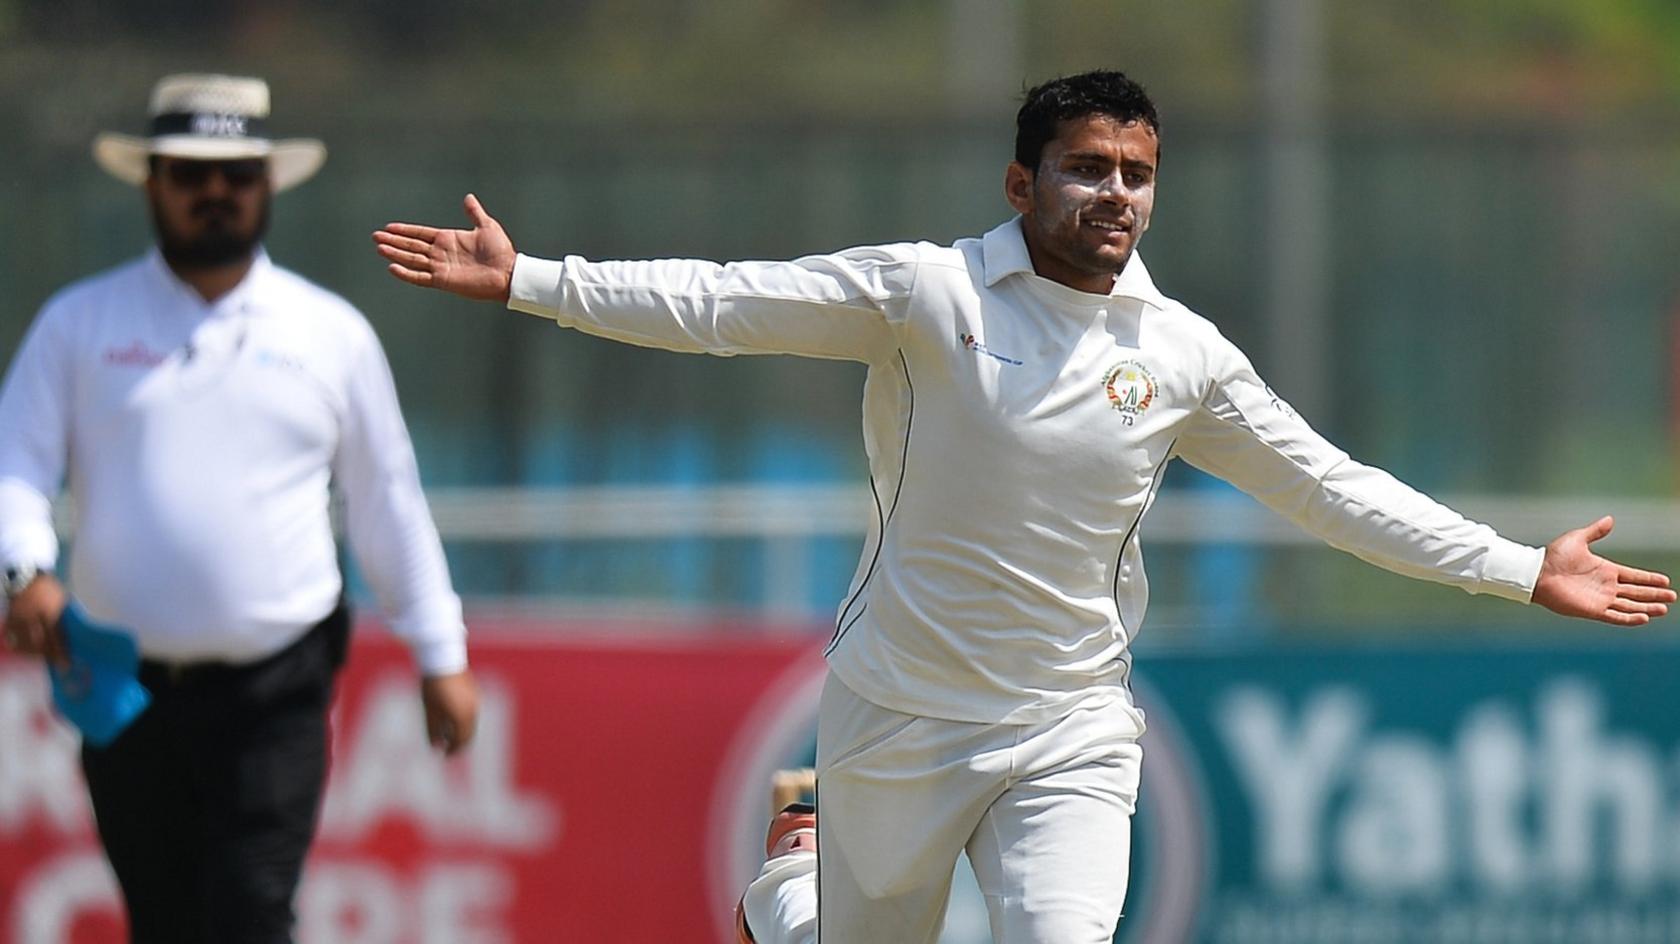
[(1043, 810)]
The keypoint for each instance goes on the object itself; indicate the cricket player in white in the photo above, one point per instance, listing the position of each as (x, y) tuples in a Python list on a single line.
[(1025, 391)]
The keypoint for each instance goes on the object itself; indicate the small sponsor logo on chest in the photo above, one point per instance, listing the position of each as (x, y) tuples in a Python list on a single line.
[(974, 344), (1130, 389), (135, 354), (267, 357)]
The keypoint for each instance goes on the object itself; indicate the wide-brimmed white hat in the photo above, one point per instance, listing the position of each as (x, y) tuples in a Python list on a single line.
[(209, 118)]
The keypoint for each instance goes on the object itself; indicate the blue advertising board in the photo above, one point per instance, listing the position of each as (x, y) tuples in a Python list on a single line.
[(1468, 793)]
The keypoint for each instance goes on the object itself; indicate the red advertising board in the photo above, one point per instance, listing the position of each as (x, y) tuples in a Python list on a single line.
[(617, 791)]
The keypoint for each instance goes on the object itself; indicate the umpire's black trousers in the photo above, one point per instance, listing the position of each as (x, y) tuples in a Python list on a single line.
[(207, 804)]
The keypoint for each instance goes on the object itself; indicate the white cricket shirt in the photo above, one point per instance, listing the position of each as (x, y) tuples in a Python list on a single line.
[(1016, 431), (198, 441)]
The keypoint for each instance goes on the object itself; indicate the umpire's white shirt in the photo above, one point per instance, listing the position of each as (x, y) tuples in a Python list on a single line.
[(1016, 431), (198, 441)]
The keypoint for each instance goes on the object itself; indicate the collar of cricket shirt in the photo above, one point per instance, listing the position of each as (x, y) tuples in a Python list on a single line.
[(1004, 253)]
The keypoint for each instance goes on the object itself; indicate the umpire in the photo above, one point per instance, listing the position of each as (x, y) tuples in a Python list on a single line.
[(199, 400)]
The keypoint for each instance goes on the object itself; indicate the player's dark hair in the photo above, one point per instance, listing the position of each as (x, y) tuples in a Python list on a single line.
[(1099, 92)]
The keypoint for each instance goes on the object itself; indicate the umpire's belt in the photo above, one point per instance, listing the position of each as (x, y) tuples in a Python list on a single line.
[(330, 634)]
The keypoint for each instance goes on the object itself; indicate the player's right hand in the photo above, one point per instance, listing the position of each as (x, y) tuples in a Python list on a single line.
[(476, 263), (32, 626)]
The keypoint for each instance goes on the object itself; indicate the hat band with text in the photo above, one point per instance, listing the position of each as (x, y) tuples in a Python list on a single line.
[(207, 124)]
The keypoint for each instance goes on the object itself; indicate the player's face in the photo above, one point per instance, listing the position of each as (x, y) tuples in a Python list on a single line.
[(1088, 202), (208, 214)]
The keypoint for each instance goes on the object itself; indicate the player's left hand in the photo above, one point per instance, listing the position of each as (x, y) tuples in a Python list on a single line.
[(451, 703), (1576, 582)]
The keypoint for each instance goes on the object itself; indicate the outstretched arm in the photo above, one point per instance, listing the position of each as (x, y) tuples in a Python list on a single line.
[(841, 305), (1576, 582), (476, 263), (1248, 436)]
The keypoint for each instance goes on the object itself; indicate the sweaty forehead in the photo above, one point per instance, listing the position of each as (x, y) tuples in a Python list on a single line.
[(1105, 135)]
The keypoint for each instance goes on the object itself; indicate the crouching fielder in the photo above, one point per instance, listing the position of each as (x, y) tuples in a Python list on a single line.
[(1026, 389)]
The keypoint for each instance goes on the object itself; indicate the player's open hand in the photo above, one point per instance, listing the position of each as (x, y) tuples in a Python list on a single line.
[(476, 263), (1576, 582)]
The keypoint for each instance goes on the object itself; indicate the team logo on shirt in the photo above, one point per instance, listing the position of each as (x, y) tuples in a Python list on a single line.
[(1130, 387)]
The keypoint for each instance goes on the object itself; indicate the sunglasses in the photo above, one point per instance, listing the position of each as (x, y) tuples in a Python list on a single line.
[(191, 175)]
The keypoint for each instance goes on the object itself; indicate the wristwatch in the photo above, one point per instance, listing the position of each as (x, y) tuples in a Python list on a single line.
[(16, 577)]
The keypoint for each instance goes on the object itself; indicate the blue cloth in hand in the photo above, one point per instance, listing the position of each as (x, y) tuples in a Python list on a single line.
[(100, 692)]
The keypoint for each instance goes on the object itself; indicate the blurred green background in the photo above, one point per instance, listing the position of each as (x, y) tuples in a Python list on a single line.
[(1445, 229)]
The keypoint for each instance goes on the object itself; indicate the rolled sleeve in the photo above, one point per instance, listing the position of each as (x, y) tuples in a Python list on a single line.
[(536, 286), (1511, 570)]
